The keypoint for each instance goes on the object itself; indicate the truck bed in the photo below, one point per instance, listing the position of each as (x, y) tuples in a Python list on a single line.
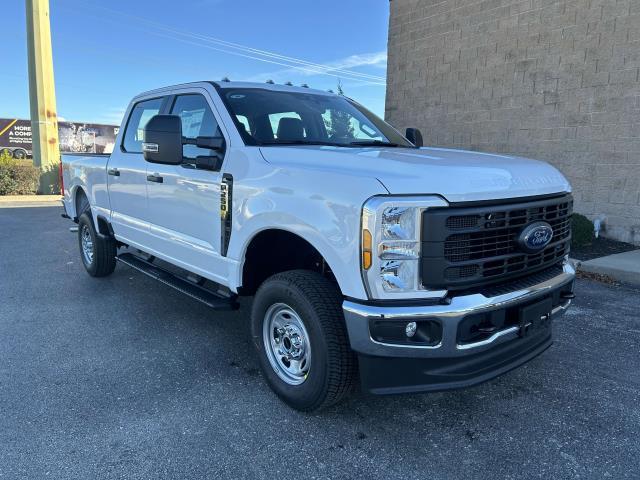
[(89, 172)]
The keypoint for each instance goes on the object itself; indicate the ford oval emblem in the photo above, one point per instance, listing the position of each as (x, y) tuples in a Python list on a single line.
[(535, 237)]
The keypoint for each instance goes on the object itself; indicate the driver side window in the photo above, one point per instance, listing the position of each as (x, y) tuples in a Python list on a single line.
[(197, 121)]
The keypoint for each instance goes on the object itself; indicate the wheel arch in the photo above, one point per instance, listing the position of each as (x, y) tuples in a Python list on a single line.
[(275, 250), (78, 194)]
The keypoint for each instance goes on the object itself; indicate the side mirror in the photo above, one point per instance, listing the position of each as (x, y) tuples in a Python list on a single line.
[(212, 143), (163, 140), (414, 136), (208, 162)]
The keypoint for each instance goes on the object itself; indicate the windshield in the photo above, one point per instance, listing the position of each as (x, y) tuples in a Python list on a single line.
[(269, 117)]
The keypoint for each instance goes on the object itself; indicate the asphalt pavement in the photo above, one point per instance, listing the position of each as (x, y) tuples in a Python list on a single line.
[(122, 377)]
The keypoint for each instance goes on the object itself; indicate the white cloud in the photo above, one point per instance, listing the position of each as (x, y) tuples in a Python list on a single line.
[(334, 68), (377, 59), (112, 116)]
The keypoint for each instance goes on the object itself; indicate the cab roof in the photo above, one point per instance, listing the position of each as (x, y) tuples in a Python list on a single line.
[(269, 86), (232, 85)]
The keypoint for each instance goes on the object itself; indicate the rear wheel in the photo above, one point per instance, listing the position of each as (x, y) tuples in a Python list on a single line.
[(298, 329), (98, 253), (19, 154)]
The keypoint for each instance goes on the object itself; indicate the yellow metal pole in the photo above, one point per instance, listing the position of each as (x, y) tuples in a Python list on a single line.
[(42, 95)]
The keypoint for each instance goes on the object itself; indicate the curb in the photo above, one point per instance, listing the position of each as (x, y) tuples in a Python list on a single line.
[(623, 267), (29, 198)]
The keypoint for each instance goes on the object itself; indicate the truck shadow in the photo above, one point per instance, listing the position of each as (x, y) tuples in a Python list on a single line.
[(218, 346)]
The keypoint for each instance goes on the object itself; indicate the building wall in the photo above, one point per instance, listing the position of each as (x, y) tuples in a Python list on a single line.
[(553, 80)]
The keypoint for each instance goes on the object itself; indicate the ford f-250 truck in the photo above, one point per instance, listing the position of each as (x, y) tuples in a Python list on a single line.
[(419, 269)]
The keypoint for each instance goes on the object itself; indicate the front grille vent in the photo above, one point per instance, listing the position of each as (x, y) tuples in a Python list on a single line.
[(454, 273), (462, 221), (479, 245)]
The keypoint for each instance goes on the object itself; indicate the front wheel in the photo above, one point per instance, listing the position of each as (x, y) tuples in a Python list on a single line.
[(98, 253), (298, 329)]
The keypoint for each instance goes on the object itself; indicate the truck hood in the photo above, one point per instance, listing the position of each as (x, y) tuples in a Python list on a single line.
[(456, 175)]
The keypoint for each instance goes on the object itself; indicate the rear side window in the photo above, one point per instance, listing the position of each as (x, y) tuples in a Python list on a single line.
[(140, 115)]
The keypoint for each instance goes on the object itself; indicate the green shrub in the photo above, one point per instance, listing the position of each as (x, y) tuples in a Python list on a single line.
[(582, 231), (5, 155), (17, 178)]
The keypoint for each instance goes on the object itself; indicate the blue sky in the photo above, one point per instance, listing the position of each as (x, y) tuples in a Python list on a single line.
[(106, 52)]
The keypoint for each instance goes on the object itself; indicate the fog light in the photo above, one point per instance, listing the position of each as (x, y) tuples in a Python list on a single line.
[(410, 329), (426, 332)]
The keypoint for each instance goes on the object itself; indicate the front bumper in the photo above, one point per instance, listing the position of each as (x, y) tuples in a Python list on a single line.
[(392, 367)]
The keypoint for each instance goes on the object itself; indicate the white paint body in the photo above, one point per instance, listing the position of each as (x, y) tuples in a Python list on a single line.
[(315, 192)]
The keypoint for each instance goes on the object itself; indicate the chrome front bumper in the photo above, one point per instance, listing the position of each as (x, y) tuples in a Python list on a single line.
[(358, 317)]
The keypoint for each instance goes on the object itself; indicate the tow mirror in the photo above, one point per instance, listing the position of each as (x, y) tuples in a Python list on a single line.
[(212, 143), (206, 162), (414, 136), (163, 140)]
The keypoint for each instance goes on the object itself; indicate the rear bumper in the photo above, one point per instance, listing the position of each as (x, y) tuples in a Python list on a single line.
[(450, 361)]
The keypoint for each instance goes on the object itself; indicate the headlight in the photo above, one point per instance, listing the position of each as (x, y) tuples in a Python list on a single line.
[(398, 275), (391, 233), (398, 223)]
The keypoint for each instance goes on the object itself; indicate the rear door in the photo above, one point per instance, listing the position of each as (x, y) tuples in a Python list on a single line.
[(184, 209), (127, 176)]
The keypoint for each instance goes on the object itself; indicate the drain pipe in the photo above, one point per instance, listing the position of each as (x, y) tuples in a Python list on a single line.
[(597, 224)]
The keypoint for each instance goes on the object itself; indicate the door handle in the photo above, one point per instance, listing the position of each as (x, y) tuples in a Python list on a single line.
[(114, 171), (155, 178)]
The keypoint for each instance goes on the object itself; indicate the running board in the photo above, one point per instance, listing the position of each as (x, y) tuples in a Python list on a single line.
[(208, 297)]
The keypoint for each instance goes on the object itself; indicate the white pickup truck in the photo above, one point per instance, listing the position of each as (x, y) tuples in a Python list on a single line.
[(419, 269)]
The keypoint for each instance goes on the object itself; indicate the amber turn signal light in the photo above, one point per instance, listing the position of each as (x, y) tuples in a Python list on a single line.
[(366, 249)]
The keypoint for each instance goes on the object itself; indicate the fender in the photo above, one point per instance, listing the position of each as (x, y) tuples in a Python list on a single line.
[(332, 226)]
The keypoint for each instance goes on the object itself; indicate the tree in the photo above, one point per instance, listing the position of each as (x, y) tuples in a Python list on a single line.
[(339, 122)]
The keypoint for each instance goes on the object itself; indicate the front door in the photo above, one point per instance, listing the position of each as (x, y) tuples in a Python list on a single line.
[(127, 177), (184, 209)]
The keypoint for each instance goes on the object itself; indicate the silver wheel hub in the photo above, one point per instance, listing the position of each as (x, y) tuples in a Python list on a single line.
[(87, 244), (286, 343)]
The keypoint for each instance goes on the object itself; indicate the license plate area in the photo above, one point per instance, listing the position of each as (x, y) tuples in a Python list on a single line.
[(535, 317)]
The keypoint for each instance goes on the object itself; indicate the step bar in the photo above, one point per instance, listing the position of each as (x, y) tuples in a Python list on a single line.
[(208, 297)]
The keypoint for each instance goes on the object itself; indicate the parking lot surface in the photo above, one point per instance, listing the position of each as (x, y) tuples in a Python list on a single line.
[(122, 377)]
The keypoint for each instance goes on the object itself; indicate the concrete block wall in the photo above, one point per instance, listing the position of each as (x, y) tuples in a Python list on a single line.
[(553, 80)]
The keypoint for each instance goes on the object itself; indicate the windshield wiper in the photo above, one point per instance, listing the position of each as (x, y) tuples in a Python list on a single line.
[(302, 142), (373, 143)]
